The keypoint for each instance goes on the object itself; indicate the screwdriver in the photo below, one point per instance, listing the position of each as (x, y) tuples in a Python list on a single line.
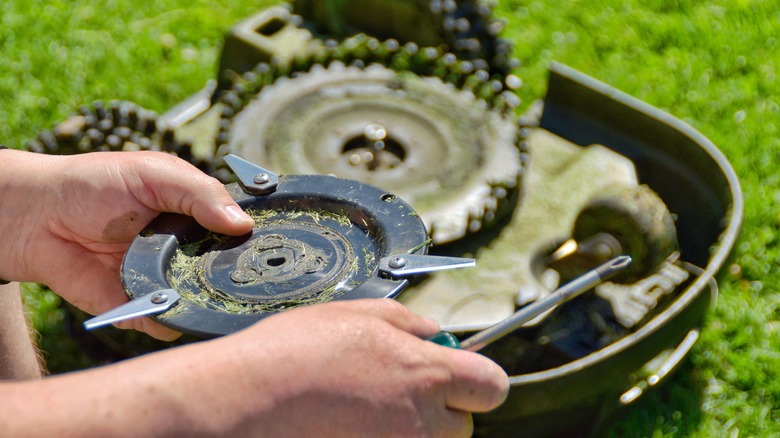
[(561, 295)]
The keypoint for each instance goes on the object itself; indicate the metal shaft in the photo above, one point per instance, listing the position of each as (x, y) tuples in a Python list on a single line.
[(559, 296)]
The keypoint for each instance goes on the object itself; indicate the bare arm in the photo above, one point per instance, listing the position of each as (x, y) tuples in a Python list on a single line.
[(337, 369), (18, 357), (66, 221)]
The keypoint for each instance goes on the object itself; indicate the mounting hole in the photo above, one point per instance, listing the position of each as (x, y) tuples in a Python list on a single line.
[(276, 261), (388, 197)]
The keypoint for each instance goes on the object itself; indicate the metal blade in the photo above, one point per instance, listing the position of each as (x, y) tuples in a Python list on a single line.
[(254, 179), (403, 265), (148, 304)]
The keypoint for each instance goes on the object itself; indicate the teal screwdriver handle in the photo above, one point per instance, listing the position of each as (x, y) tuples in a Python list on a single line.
[(445, 339)]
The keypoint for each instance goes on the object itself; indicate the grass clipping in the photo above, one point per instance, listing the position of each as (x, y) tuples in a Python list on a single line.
[(187, 270)]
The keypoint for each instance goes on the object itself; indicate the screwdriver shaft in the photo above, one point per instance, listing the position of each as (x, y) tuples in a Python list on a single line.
[(559, 296)]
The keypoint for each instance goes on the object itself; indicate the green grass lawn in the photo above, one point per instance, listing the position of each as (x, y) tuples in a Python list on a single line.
[(711, 63)]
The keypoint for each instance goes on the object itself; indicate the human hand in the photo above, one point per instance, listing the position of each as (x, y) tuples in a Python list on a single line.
[(68, 220), (341, 369), (356, 368)]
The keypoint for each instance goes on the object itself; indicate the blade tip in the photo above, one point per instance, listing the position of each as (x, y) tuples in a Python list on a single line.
[(622, 261)]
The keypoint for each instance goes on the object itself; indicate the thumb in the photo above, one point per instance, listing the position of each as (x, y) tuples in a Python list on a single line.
[(176, 186), (221, 214)]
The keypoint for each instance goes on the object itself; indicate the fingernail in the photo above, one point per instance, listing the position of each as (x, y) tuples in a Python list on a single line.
[(238, 215)]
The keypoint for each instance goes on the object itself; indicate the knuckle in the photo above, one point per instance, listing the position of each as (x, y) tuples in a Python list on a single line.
[(389, 305)]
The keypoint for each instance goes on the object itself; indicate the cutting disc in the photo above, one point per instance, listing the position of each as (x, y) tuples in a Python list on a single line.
[(316, 238)]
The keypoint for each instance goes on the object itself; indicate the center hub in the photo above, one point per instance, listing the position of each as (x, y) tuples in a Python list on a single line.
[(280, 261)]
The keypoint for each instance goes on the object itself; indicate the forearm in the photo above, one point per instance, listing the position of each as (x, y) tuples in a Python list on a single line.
[(165, 394), (19, 359), (337, 369)]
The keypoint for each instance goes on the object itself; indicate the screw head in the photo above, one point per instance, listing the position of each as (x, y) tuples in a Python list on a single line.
[(159, 298), (397, 263), (262, 178)]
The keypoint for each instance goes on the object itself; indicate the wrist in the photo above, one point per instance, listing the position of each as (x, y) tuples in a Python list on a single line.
[(20, 197), (1, 280)]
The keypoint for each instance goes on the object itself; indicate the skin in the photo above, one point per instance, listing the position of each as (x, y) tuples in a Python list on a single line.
[(77, 214), (336, 369), (19, 358)]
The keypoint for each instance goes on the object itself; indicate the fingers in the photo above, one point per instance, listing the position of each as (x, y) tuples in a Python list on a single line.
[(394, 313), (457, 424), (478, 384), (172, 185), (218, 212), (108, 292), (151, 328)]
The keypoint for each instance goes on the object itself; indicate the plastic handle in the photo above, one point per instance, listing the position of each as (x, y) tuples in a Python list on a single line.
[(445, 339)]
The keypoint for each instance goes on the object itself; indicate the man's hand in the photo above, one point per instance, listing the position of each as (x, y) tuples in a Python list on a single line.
[(335, 369), (340, 369), (361, 367), (68, 220)]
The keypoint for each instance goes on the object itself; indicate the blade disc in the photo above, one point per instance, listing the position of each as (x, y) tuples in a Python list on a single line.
[(316, 239)]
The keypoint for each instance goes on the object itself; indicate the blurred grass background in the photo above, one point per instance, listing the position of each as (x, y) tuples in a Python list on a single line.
[(712, 64)]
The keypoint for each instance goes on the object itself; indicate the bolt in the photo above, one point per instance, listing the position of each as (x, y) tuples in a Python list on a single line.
[(159, 298), (397, 263), (262, 178), (375, 132)]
